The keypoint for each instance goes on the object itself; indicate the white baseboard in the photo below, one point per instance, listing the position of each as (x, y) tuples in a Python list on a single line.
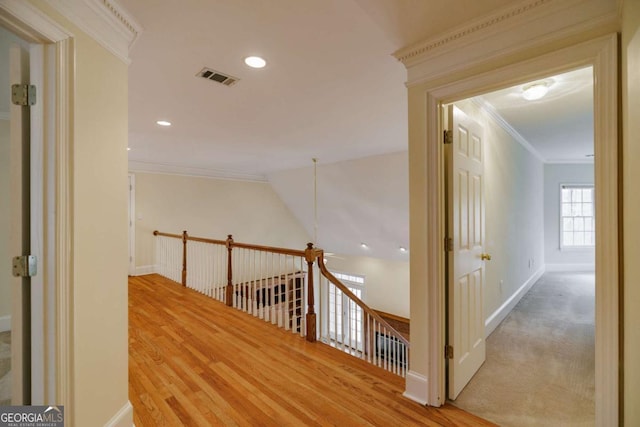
[(417, 387), (5, 323), (145, 269), (499, 315), (570, 267), (123, 418)]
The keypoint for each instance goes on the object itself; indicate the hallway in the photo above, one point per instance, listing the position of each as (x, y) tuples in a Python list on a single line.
[(540, 366)]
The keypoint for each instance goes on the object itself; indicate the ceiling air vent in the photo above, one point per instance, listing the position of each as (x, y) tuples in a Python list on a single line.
[(217, 76)]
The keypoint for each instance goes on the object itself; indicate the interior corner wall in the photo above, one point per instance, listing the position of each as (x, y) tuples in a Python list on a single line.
[(386, 285), (213, 208), (555, 175), (514, 228), (631, 209)]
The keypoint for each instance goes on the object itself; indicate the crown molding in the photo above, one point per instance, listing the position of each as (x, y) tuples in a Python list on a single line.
[(526, 25), (408, 54), (105, 21), (570, 162), (171, 169), (40, 26), (495, 115), (5, 115)]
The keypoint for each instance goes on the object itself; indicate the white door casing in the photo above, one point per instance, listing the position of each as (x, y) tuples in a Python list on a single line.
[(465, 224), (19, 239)]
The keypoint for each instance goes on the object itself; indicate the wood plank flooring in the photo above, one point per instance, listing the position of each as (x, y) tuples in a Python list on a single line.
[(195, 362)]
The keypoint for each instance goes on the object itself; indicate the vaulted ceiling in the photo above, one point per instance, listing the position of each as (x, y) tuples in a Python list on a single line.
[(331, 90)]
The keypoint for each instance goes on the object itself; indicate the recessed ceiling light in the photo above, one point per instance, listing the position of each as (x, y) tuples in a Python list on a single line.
[(255, 62), (163, 123), (402, 249), (364, 245), (128, 148), (535, 90)]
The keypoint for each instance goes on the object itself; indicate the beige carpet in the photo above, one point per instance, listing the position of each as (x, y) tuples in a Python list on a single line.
[(5, 368), (540, 366)]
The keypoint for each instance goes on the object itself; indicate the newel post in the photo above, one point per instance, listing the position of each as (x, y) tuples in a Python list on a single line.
[(184, 257), (310, 257), (229, 294)]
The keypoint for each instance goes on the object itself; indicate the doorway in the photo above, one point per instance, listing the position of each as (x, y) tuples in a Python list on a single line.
[(427, 383), (531, 149)]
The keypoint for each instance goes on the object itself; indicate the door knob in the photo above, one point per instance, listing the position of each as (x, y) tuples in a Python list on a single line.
[(486, 257)]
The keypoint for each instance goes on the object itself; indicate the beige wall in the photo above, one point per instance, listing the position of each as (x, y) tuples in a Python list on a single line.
[(631, 208), (99, 218), (5, 271), (213, 208), (386, 281)]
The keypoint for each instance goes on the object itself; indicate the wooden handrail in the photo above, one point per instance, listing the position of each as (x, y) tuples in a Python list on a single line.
[(274, 249), (326, 273), (310, 254)]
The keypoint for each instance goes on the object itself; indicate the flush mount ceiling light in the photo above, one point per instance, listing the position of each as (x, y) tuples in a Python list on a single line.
[(163, 123), (364, 245), (536, 90), (402, 249), (255, 62), (128, 148)]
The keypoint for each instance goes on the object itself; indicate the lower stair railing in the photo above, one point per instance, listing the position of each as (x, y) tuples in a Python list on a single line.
[(278, 286)]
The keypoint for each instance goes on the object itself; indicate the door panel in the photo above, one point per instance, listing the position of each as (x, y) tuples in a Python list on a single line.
[(465, 225)]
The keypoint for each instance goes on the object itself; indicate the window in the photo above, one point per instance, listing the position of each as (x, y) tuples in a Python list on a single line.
[(346, 317), (577, 225)]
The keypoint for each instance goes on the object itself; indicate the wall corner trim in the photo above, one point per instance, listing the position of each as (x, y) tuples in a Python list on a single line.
[(501, 313), (571, 267), (416, 387), (171, 169), (122, 418), (143, 270), (105, 21)]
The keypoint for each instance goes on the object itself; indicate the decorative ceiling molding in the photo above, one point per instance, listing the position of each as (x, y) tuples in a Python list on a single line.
[(33, 17), (170, 169), (104, 20), (406, 54), (5, 115), (495, 115), (538, 22), (570, 162)]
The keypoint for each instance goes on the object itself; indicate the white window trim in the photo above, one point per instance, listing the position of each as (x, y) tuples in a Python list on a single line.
[(561, 246)]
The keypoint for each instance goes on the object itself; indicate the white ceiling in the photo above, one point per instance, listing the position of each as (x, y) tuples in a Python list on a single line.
[(560, 125), (331, 90)]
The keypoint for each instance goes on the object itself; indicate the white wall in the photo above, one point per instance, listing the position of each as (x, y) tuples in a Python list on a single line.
[(631, 209), (554, 176), (363, 200), (513, 216), (251, 211), (386, 281)]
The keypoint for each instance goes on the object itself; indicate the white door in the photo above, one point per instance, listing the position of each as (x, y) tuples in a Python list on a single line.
[(14, 232), (465, 225)]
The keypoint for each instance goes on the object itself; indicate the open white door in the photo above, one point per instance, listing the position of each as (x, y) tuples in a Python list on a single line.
[(465, 199)]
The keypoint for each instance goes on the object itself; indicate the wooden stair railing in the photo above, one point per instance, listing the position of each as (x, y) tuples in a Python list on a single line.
[(272, 283), (381, 344)]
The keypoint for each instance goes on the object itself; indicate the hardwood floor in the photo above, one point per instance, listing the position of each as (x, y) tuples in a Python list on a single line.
[(195, 362)]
